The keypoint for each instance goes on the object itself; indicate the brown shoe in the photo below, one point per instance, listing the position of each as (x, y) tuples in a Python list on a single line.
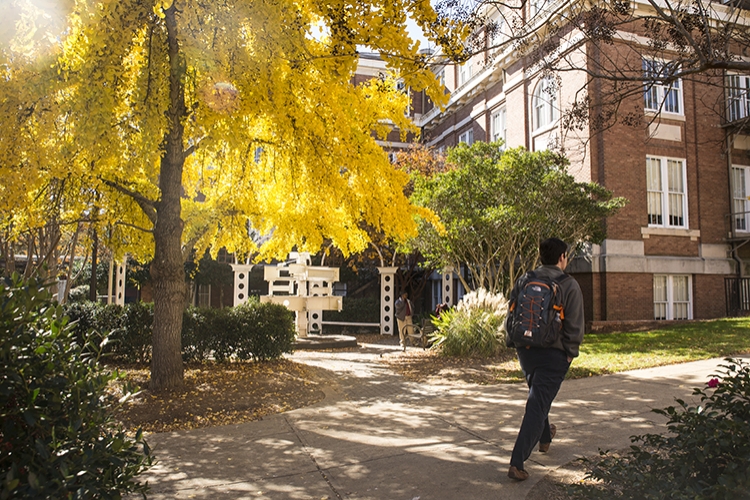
[(517, 474), (544, 447)]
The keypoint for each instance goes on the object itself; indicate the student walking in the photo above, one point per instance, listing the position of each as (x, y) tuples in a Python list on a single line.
[(544, 302)]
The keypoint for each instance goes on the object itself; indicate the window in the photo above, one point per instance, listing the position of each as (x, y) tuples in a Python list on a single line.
[(467, 137), (740, 202), (204, 296), (665, 97), (545, 104), (738, 97), (441, 77), (225, 257), (497, 125), (672, 297), (667, 194), (464, 73), (258, 154), (536, 6)]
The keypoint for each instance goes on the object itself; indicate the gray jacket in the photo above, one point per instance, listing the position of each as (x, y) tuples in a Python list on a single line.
[(572, 300), (401, 308)]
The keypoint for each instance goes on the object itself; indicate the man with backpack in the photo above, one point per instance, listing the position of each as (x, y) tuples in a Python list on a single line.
[(545, 324)]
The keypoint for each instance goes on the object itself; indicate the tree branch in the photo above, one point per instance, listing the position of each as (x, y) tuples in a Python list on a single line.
[(148, 206)]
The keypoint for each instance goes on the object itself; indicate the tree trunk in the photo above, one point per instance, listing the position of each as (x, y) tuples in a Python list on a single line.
[(167, 269), (93, 295)]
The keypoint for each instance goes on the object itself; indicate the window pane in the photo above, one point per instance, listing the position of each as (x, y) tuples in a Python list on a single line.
[(680, 311), (660, 288), (653, 174), (653, 184), (676, 180), (739, 201), (676, 189), (660, 297), (660, 96), (672, 97), (680, 288), (545, 104)]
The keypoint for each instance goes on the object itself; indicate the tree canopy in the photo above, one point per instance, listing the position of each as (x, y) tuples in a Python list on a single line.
[(498, 205), (184, 123)]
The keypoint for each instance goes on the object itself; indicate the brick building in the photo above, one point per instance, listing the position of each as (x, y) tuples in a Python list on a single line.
[(677, 249)]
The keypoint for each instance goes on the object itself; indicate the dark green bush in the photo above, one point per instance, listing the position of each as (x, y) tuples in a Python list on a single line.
[(266, 331), (58, 438), (197, 341), (251, 331), (706, 454), (356, 310), (134, 339), (220, 331)]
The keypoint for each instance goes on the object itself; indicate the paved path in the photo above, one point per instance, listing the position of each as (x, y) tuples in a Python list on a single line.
[(377, 436)]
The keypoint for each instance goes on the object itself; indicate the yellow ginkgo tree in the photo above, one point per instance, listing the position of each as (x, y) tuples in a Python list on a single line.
[(197, 120)]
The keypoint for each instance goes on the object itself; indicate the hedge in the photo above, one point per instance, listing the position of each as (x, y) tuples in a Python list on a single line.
[(251, 331)]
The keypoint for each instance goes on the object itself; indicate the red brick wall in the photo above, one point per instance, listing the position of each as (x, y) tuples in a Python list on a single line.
[(629, 296), (708, 296), (670, 245)]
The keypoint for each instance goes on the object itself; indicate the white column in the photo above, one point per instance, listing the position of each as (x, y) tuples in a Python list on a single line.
[(241, 282), (315, 317), (110, 281), (60, 295), (387, 298), (448, 286), (120, 282)]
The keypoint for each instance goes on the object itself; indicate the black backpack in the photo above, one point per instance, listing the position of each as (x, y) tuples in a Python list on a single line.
[(535, 316)]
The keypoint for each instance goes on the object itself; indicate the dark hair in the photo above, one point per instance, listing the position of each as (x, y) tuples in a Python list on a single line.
[(550, 251)]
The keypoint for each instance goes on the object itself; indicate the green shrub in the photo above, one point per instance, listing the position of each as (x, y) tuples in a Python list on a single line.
[(250, 331), (134, 339), (266, 331), (356, 310), (128, 328), (58, 438), (221, 332), (473, 328), (706, 454), (197, 341)]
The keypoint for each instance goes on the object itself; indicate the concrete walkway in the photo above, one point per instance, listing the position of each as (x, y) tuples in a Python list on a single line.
[(377, 436)]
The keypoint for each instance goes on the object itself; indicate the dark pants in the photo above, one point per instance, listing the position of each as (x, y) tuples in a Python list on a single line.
[(545, 371)]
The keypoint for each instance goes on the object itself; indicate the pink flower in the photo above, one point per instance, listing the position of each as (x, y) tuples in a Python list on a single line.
[(713, 383)]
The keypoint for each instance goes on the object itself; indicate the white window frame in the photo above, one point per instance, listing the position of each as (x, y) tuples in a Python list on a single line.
[(740, 200), (668, 305), (465, 72), (661, 98), (441, 77), (498, 126), (467, 137), (545, 111), (738, 97), (665, 202), (535, 7)]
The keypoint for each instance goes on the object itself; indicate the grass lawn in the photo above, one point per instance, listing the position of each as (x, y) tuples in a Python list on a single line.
[(615, 352), (601, 353)]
